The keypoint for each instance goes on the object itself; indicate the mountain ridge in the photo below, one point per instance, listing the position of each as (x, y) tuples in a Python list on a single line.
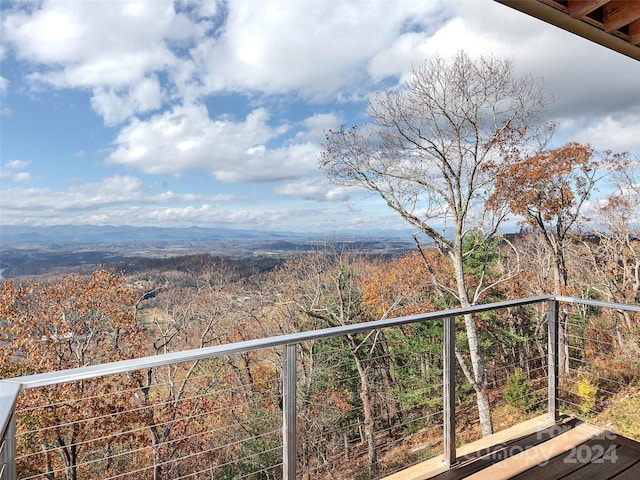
[(87, 234)]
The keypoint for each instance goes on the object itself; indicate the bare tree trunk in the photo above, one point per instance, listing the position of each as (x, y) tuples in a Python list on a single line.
[(478, 379), (367, 406), (561, 284)]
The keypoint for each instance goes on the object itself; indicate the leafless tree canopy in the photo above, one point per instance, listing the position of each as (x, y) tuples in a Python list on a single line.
[(432, 149)]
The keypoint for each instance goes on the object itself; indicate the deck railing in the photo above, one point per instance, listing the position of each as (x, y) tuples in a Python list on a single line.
[(275, 436)]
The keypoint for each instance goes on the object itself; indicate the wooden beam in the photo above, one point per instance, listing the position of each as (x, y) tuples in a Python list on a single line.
[(619, 13), (580, 8), (634, 33), (554, 16)]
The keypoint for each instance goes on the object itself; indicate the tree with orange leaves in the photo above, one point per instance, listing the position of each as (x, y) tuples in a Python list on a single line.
[(72, 322), (549, 191)]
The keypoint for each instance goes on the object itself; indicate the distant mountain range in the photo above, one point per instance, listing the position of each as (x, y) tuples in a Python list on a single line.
[(87, 234)]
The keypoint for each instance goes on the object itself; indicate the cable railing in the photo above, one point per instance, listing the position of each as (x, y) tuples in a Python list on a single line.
[(348, 399)]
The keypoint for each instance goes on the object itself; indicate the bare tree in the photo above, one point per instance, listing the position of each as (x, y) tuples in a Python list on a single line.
[(196, 315), (432, 153)]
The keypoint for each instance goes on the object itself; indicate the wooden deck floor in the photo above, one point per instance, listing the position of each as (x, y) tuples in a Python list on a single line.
[(539, 450)]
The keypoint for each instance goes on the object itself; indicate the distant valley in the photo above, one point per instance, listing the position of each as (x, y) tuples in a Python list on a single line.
[(30, 251)]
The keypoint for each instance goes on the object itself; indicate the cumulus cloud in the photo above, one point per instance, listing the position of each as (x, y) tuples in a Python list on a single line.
[(577, 86), (16, 164), (4, 83), (150, 67), (129, 205), (316, 126), (306, 46), (187, 139), (115, 106), (412, 48), (13, 171), (581, 106), (111, 199), (615, 132), (80, 33), (19, 177), (112, 49), (314, 189), (117, 51)]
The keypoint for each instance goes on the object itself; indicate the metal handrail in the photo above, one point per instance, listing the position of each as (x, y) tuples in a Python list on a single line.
[(10, 388), (125, 366)]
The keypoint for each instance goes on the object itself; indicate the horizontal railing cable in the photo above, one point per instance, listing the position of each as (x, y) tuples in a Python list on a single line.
[(253, 411), (124, 366)]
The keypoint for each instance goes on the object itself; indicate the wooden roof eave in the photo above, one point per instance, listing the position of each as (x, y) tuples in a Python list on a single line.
[(563, 20)]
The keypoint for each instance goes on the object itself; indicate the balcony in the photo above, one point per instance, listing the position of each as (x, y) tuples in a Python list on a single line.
[(203, 414)]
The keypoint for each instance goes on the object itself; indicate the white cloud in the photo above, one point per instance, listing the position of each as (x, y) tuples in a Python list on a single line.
[(112, 48), (307, 46), (13, 171), (83, 205), (412, 48), (185, 138), (117, 71), (618, 133), (76, 31), (317, 125), (113, 192), (20, 177), (558, 57), (584, 110), (150, 67), (317, 189), (112, 187), (16, 164), (205, 8), (115, 107)]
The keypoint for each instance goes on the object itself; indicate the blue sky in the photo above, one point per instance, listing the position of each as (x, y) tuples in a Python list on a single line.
[(197, 112)]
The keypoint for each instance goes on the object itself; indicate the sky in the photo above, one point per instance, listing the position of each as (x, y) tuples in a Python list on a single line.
[(212, 113)]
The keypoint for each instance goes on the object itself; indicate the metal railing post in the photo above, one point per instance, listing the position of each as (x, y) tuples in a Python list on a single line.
[(449, 390), (289, 380), (552, 326), (8, 395), (8, 451)]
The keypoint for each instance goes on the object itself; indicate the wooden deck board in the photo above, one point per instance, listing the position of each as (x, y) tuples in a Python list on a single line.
[(605, 466), (631, 473), (466, 453), (523, 461), (479, 461), (560, 466), (539, 450)]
